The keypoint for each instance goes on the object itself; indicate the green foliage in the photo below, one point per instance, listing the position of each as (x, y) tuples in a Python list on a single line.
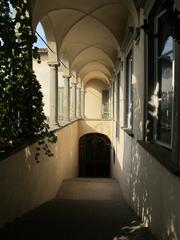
[(21, 106)]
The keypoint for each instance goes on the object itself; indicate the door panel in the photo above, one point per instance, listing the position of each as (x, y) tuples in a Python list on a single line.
[(94, 155)]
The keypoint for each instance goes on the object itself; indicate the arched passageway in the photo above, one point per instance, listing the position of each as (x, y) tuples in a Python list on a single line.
[(94, 155)]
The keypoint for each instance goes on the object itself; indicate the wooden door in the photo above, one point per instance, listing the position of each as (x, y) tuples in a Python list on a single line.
[(94, 155)]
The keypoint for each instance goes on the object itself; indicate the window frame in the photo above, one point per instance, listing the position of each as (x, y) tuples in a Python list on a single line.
[(128, 123), (117, 92), (105, 104), (157, 81), (118, 84), (168, 157)]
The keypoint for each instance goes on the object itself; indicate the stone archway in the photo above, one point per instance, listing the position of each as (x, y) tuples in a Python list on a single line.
[(94, 155)]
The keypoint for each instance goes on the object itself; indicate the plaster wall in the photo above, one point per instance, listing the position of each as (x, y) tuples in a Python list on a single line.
[(93, 126), (155, 194), (25, 184), (146, 184), (93, 99), (42, 72)]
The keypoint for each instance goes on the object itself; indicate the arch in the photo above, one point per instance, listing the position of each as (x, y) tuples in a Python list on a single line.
[(94, 66), (105, 55), (51, 39), (38, 11), (96, 75), (92, 15), (80, 37), (91, 54), (107, 19), (103, 63), (94, 155)]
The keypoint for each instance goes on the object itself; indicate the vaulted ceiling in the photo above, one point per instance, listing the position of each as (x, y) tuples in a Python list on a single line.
[(85, 34)]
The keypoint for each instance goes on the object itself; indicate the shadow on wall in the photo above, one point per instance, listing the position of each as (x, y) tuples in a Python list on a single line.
[(149, 188), (146, 184), (135, 231), (154, 194), (24, 183)]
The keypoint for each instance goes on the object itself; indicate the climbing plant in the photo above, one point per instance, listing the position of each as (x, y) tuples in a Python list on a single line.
[(21, 105)]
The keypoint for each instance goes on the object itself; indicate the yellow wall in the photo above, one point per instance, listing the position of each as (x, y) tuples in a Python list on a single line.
[(93, 99), (25, 184), (42, 72), (92, 126)]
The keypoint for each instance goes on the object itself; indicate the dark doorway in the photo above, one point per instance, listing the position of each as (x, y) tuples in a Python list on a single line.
[(94, 155)]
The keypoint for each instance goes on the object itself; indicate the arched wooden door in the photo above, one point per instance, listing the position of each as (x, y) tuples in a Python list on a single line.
[(94, 155)]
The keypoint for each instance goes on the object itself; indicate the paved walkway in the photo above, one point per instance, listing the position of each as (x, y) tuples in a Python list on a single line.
[(84, 209)]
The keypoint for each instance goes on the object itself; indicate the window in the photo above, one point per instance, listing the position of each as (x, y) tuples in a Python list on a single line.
[(161, 82), (117, 104), (105, 104), (162, 91), (164, 82), (113, 100), (129, 92)]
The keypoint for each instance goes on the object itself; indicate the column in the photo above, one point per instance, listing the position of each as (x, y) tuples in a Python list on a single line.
[(60, 104), (82, 102), (66, 100), (110, 101), (78, 102), (53, 118), (73, 100)]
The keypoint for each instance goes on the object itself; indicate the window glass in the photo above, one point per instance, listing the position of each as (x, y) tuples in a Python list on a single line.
[(165, 83), (118, 97), (129, 105), (118, 105), (105, 104)]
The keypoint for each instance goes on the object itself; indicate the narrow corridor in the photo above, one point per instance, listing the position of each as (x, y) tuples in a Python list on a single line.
[(83, 209)]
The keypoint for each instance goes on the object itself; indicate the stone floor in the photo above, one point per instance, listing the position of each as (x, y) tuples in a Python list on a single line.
[(84, 209)]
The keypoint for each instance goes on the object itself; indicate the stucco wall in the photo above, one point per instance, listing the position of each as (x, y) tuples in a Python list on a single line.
[(42, 72), (25, 184), (148, 187), (155, 194), (146, 184), (93, 99), (93, 126)]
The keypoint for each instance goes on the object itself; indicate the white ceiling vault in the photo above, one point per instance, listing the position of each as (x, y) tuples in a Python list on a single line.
[(86, 34)]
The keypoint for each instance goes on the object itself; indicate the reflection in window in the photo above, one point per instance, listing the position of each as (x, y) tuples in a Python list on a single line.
[(165, 82), (129, 93), (118, 105)]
